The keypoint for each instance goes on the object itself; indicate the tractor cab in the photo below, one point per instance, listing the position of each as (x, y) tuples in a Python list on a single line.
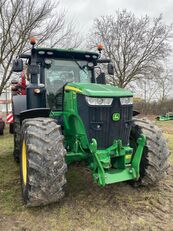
[(59, 67), (50, 70)]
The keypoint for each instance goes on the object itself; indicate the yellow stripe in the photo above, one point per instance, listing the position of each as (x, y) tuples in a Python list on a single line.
[(128, 156), (72, 89), (24, 163)]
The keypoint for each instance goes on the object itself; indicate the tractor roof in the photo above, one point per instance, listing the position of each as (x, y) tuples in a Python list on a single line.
[(67, 53), (63, 53)]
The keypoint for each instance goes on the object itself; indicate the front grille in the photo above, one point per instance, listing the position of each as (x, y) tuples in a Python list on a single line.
[(99, 124)]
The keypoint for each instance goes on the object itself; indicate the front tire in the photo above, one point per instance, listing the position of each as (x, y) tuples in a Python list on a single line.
[(154, 162), (42, 165)]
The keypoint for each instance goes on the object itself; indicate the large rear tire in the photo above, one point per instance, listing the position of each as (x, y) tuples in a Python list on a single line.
[(154, 162), (11, 129), (42, 165), (17, 137)]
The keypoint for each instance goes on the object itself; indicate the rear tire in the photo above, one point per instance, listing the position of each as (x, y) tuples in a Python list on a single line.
[(11, 130), (154, 162), (17, 137), (44, 180)]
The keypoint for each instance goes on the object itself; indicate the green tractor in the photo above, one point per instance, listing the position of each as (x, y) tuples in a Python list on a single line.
[(70, 115)]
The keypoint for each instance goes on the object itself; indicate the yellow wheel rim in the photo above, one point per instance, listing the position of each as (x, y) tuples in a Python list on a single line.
[(24, 163)]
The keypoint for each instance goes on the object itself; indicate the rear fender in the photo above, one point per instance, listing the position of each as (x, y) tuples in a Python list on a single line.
[(34, 113), (19, 104), (135, 113)]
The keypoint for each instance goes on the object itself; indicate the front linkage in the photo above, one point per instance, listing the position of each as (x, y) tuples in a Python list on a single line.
[(117, 163)]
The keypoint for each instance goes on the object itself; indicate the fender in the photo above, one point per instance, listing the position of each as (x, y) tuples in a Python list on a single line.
[(20, 109), (34, 113), (19, 104), (135, 113)]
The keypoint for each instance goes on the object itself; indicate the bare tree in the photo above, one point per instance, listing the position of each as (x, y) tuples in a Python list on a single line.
[(135, 45), (164, 81), (20, 19), (156, 87)]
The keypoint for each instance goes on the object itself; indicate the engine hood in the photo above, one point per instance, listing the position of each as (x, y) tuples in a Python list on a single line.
[(94, 89)]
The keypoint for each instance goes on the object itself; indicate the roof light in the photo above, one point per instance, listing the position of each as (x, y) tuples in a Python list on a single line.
[(95, 57), (90, 64), (100, 47), (41, 52), (49, 52), (87, 56), (37, 90), (48, 61), (32, 40)]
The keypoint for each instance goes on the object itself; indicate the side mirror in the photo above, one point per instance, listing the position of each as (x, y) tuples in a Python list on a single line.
[(17, 65), (110, 69), (14, 81), (101, 78)]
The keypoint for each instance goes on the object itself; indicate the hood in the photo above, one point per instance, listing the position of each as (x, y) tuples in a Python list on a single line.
[(94, 89)]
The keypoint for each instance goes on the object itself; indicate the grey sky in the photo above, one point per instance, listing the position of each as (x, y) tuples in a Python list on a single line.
[(84, 11)]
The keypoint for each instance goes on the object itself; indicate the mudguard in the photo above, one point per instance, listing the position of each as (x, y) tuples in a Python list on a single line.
[(135, 113), (35, 112), (20, 109), (19, 104)]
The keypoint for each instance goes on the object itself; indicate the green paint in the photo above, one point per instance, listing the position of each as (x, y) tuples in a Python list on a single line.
[(116, 116), (119, 175), (101, 90), (122, 169), (165, 118), (138, 155)]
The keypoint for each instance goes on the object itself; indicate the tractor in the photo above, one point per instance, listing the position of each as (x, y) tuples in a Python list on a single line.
[(69, 114)]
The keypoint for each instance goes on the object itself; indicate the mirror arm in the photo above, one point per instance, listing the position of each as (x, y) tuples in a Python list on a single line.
[(104, 61)]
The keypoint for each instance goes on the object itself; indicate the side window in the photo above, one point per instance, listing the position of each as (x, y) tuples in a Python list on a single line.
[(85, 76)]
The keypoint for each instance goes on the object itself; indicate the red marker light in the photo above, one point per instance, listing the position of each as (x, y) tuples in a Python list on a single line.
[(32, 40), (100, 47)]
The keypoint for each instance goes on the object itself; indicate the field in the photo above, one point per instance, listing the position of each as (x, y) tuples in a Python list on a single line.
[(86, 206)]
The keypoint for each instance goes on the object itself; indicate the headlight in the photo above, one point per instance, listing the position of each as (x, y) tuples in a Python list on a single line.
[(98, 101), (126, 100)]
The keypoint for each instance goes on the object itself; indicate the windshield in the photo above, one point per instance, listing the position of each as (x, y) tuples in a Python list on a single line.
[(61, 72)]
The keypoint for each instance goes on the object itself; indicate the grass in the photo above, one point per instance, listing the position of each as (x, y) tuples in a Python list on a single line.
[(170, 145), (167, 127), (9, 181)]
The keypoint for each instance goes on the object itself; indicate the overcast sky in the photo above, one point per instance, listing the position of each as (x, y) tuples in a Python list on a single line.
[(84, 11)]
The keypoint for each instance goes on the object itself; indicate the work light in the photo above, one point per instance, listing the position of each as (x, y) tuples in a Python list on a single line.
[(98, 101), (126, 100)]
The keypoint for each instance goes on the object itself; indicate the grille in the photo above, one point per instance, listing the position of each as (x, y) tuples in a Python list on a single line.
[(99, 124)]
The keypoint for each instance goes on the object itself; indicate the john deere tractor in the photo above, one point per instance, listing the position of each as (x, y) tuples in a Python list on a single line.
[(69, 114)]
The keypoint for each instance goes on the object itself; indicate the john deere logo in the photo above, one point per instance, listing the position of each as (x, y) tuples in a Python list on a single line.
[(116, 116)]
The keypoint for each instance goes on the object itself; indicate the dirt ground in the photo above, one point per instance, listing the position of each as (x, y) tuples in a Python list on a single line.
[(87, 206)]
